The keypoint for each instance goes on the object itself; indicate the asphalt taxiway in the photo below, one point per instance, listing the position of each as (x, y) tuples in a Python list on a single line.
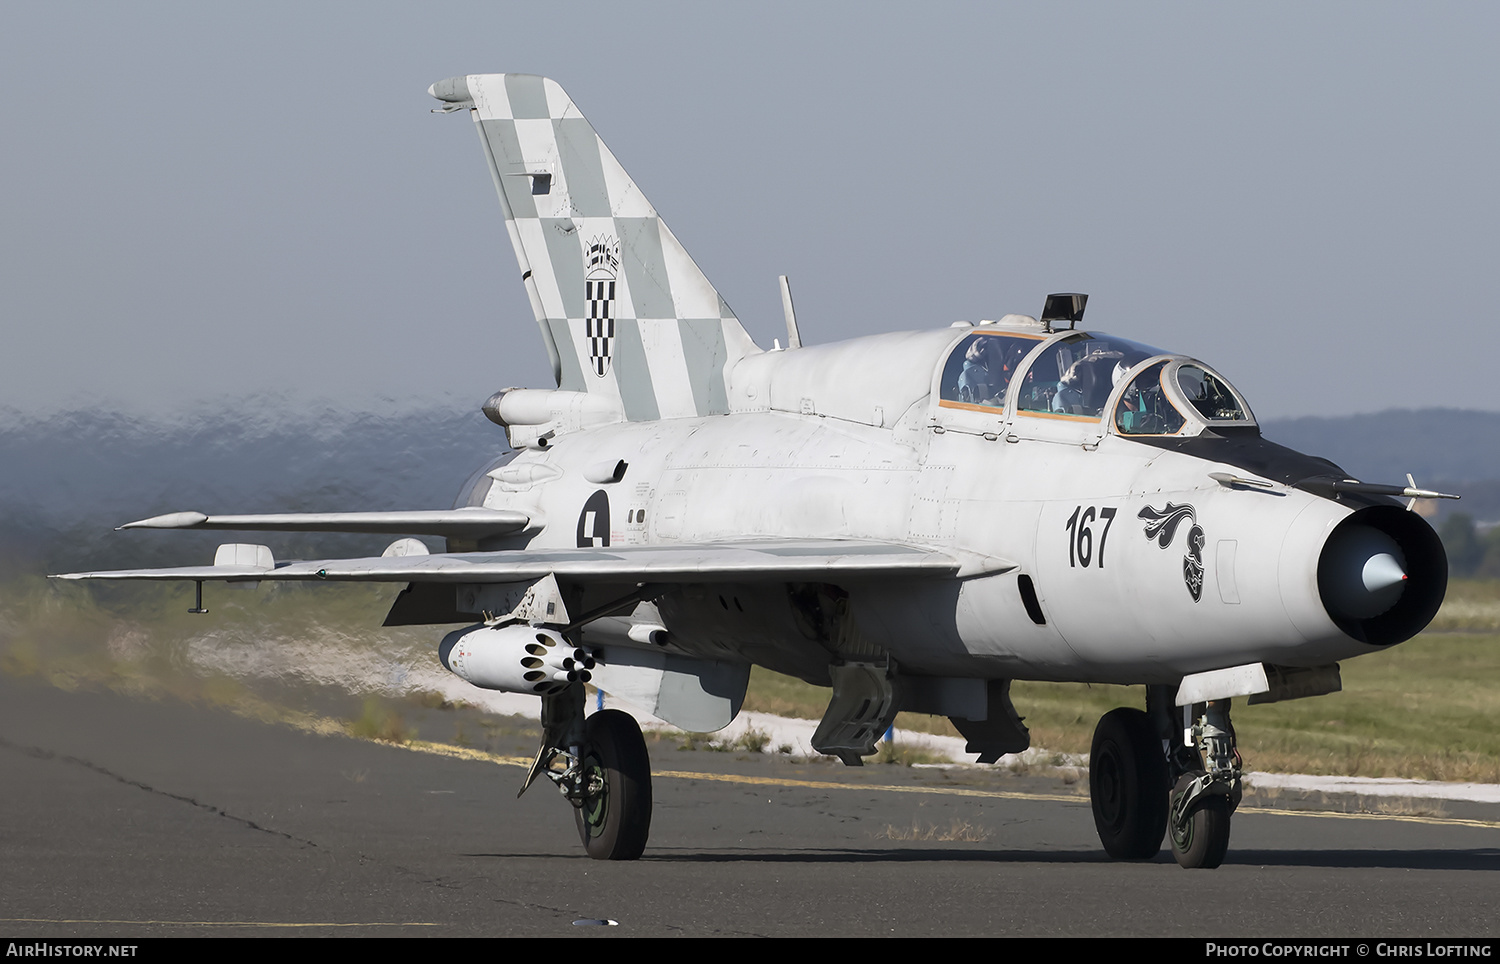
[(132, 817)]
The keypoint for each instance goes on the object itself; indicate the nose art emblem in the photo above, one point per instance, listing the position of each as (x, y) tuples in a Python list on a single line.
[(1161, 526)]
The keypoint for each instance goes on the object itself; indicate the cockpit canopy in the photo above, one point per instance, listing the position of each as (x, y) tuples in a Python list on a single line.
[(1080, 376), (1148, 406)]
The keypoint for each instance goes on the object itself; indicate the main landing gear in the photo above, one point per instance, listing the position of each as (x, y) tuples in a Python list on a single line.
[(1150, 777), (601, 766), (614, 817), (1128, 785)]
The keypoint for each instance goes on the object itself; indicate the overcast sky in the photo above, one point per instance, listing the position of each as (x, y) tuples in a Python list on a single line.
[(206, 205)]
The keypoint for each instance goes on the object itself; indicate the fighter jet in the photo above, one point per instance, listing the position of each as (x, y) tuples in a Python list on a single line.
[(913, 519)]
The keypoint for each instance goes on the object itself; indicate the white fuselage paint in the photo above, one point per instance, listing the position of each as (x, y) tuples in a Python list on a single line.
[(1032, 489)]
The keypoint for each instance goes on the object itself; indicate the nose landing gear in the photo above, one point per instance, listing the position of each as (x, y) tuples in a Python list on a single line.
[(1208, 788), (1131, 768)]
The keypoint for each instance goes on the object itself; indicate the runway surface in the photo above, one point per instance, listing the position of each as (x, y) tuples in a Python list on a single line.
[(132, 817)]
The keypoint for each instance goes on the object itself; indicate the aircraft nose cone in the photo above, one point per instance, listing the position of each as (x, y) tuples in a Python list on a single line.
[(1382, 571), (1363, 573)]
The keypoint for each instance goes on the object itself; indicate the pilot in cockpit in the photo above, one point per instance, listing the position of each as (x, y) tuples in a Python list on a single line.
[(1086, 384), (982, 379), (989, 363)]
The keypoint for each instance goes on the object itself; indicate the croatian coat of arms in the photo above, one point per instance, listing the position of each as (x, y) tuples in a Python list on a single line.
[(601, 269)]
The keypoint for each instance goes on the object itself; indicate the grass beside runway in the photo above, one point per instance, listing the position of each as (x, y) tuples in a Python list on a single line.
[(1471, 606)]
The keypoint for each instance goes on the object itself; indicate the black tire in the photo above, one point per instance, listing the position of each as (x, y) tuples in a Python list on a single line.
[(1128, 785), (615, 821), (1203, 840)]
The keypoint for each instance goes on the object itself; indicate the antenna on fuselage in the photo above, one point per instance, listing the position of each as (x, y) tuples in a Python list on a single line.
[(1063, 307), (793, 338)]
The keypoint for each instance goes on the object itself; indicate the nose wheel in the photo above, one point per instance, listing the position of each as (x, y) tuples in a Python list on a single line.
[(1206, 796), (1200, 836)]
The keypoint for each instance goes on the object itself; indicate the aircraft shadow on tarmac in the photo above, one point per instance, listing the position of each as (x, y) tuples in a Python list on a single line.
[(1485, 859)]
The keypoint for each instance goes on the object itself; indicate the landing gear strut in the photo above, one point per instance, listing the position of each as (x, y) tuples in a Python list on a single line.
[(1208, 789), (601, 766)]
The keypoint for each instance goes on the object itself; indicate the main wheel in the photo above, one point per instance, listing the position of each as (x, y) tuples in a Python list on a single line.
[(1128, 785), (1203, 839), (615, 818)]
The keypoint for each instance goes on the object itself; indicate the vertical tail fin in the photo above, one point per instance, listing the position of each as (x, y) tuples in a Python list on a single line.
[(622, 307)]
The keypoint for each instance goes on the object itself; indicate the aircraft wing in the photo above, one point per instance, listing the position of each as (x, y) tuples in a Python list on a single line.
[(469, 522), (768, 560)]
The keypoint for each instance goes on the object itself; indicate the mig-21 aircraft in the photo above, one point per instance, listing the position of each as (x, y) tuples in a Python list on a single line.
[(913, 519)]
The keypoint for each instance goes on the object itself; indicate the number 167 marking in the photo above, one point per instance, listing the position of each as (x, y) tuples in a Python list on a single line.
[(1081, 537)]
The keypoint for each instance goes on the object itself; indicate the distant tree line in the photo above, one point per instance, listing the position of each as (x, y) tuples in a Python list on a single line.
[(1471, 554)]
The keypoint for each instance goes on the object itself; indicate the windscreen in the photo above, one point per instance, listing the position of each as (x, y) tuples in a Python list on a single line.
[(1209, 395), (1144, 409)]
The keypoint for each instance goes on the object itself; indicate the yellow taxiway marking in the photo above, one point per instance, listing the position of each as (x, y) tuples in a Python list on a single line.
[(883, 787), (468, 753), (1399, 817), (211, 923)]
